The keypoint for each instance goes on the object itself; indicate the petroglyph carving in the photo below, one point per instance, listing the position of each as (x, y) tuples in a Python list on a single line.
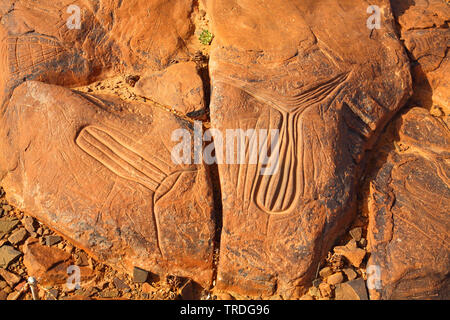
[(111, 149), (328, 105), (27, 52)]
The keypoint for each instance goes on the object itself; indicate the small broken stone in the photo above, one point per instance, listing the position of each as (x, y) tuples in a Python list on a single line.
[(52, 240), (82, 259), (28, 223), (325, 290), (8, 255), (11, 278), (351, 290), (6, 225), (336, 278), (139, 275), (313, 291), (120, 284), (3, 284), (350, 251), (18, 236), (356, 233), (325, 272), (52, 294), (350, 273)]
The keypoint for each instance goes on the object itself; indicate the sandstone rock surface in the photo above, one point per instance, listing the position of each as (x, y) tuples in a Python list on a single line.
[(424, 29), (305, 81), (100, 172), (36, 42), (408, 211), (179, 87), (286, 65)]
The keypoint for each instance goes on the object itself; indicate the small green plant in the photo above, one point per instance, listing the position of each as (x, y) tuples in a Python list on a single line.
[(206, 37)]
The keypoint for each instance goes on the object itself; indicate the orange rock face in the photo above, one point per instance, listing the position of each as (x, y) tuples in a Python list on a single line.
[(100, 172), (279, 65), (307, 81), (408, 206), (36, 42), (424, 29), (178, 87)]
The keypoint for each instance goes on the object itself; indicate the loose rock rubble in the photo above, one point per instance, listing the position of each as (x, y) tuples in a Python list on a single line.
[(47, 256)]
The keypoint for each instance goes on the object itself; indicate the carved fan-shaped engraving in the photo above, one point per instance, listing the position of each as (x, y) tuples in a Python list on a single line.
[(27, 52), (279, 193)]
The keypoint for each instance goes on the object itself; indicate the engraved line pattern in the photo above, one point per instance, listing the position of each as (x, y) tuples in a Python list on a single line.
[(114, 154), (279, 193), (27, 52), (120, 159)]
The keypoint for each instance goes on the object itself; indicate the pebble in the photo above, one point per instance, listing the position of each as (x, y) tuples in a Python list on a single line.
[(11, 278), (120, 284), (52, 240), (325, 272), (52, 294), (325, 290), (356, 233), (350, 251), (351, 290), (82, 259), (3, 284), (350, 273), (18, 236), (28, 223), (313, 291), (7, 255), (139, 275), (335, 278), (6, 225)]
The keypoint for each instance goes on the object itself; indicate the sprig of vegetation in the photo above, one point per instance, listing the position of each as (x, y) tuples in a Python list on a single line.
[(206, 37)]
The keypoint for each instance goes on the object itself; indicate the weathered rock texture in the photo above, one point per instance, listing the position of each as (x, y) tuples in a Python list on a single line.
[(409, 191), (408, 210), (36, 43), (424, 29), (100, 172), (179, 87), (313, 70)]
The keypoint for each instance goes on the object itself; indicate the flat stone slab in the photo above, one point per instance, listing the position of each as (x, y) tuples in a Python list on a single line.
[(8, 255)]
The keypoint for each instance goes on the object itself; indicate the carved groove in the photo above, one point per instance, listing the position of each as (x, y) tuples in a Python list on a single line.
[(279, 193), (27, 52)]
